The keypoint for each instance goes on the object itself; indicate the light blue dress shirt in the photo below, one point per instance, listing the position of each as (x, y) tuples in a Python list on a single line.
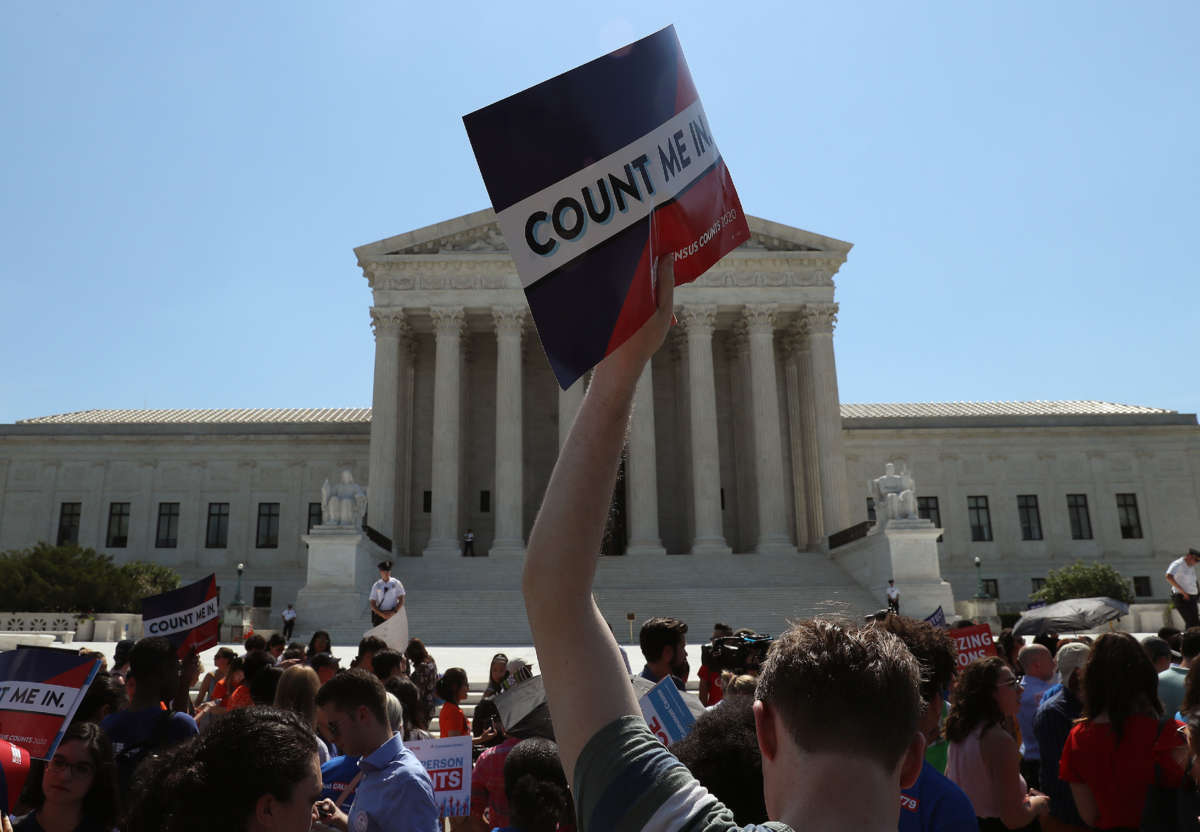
[(395, 794), (1032, 691)]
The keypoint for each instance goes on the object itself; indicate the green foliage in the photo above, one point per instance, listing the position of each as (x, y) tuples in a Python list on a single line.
[(1084, 580), (47, 578)]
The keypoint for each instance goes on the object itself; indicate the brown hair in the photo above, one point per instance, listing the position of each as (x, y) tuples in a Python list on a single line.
[(297, 692), (973, 700), (1119, 680), (657, 634)]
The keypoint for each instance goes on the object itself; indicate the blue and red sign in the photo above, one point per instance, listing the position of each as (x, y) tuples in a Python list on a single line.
[(594, 175), (40, 690), (189, 617)]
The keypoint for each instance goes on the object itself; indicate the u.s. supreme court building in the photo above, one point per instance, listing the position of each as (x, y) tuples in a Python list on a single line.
[(742, 460)]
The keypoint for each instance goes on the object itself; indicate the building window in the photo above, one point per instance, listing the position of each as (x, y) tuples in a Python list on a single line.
[(991, 588), (485, 501), (427, 501), (1037, 583), (927, 509), (980, 518), (262, 596), (314, 515), (268, 526), (1031, 517), (118, 526), (1141, 586), (68, 523), (217, 534), (167, 536), (871, 510), (1127, 513), (1081, 521)]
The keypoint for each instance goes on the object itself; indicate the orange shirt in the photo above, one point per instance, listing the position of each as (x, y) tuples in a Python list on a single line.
[(452, 721), (219, 693), (240, 699)]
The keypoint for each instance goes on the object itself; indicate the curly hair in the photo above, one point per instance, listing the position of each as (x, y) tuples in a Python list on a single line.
[(973, 700), (536, 786), (213, 781), (721, 751), (1119, 680)]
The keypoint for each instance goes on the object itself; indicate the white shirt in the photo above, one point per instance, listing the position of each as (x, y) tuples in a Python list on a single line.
[(1184, 575), (289, 615), (387, 594), (893, 593)]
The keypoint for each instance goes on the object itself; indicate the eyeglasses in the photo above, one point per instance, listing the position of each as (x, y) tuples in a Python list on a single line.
[(61, 766), (1009, 683)]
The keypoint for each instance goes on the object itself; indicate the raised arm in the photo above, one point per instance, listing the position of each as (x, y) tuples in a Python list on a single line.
[(586, 683)]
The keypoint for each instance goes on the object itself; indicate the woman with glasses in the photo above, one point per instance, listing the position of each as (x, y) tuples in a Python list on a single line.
[(77, 791), (984, 758)]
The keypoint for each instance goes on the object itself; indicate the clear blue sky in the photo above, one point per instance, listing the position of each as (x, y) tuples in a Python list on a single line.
[(183, 184)]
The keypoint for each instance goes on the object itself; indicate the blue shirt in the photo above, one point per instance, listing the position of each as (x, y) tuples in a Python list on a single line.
[(936, 804), (336, 774), (1032, 692), (395, 793), (648, 674), (127, 729), (1053, 722)]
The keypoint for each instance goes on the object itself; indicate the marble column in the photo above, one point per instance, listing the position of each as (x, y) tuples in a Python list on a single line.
[(402, 515), (448, 325), (389, 326), (642, 472), (568, 406), (801, 489), (819, 319), (773, 536), (813, 510), (699, 321), (509, 506)]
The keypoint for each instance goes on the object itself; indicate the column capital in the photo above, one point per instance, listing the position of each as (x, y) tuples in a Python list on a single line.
[(819, 318), (509, 320), (698, 319), (448, 320), (760, 318), (388, 322), (795, 340), (738, 340)]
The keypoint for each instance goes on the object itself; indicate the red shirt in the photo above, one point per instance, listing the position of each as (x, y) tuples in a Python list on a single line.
[(1119, 775), (710, 678), (487, 784)]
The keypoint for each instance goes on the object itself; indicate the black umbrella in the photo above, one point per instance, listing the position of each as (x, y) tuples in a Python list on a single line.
[(1070, 616)]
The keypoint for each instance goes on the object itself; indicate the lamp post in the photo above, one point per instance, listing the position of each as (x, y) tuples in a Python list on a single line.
[(979, 593), (237, 596)]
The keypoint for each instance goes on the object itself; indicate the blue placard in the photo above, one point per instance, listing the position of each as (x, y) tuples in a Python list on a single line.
[(666, 713)]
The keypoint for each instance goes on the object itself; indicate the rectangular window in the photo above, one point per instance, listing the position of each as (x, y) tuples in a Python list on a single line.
[(216, 536), (167, 536), (1127, 514), (871, 511), (1037, 583), (118, 526), (427, 501), (1141, 586), (268, 526), (980, 518), (262, 596), (927, 509), (991, 588), (1030, 516), (314, 515), (1081, 521), (68, 523), (485, 501)]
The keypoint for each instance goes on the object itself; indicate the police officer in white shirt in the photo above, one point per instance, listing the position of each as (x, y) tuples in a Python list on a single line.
[(893, 598), (1181, 575), (387, 595)]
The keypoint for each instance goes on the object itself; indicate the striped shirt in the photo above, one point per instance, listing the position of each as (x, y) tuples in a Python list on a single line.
[(626, 780)]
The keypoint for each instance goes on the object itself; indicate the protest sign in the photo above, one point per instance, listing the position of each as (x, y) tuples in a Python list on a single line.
[(448, 761), (666, 713), (394, 631), (938, 619), (973, 643), (188, 617), (40, 690), (596, 173)]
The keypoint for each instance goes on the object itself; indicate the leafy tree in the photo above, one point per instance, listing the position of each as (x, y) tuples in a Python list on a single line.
[(1084, 580), (45, 578)]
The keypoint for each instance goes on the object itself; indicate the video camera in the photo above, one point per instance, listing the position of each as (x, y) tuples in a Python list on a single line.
[(738, 653)]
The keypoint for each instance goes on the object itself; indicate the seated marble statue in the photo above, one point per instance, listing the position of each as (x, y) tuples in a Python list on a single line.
[(343, 504), (895, 496)]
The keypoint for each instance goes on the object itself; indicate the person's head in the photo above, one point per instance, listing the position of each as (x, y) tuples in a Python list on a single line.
[(1036, 661), (81, 773), (297, 692), (388, 663), (1009, 646), (254, 662), (325, 665), (663, 642), (1049, 640), (536, 786), (1189, 646), (253, 769), (222, 658), (276, 644), (292, 654), (154, 669), (721, 751), (498, 671), (367, 648), (721, 630), (486, 714), (264, 684), (934, 650), (1158, 651), (830, 688), (253, 642), (105, 695), (354, 705), (985, 694), (1192, 557), (1071, 659), (385, 569), (395, 712), (416, 652), (409, 697), (236, 673), (453, 685), (121, 653), (1119, 681), (319, 643)]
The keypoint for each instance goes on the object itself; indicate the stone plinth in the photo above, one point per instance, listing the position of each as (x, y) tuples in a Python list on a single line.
[(340, 573), (904, 551)]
